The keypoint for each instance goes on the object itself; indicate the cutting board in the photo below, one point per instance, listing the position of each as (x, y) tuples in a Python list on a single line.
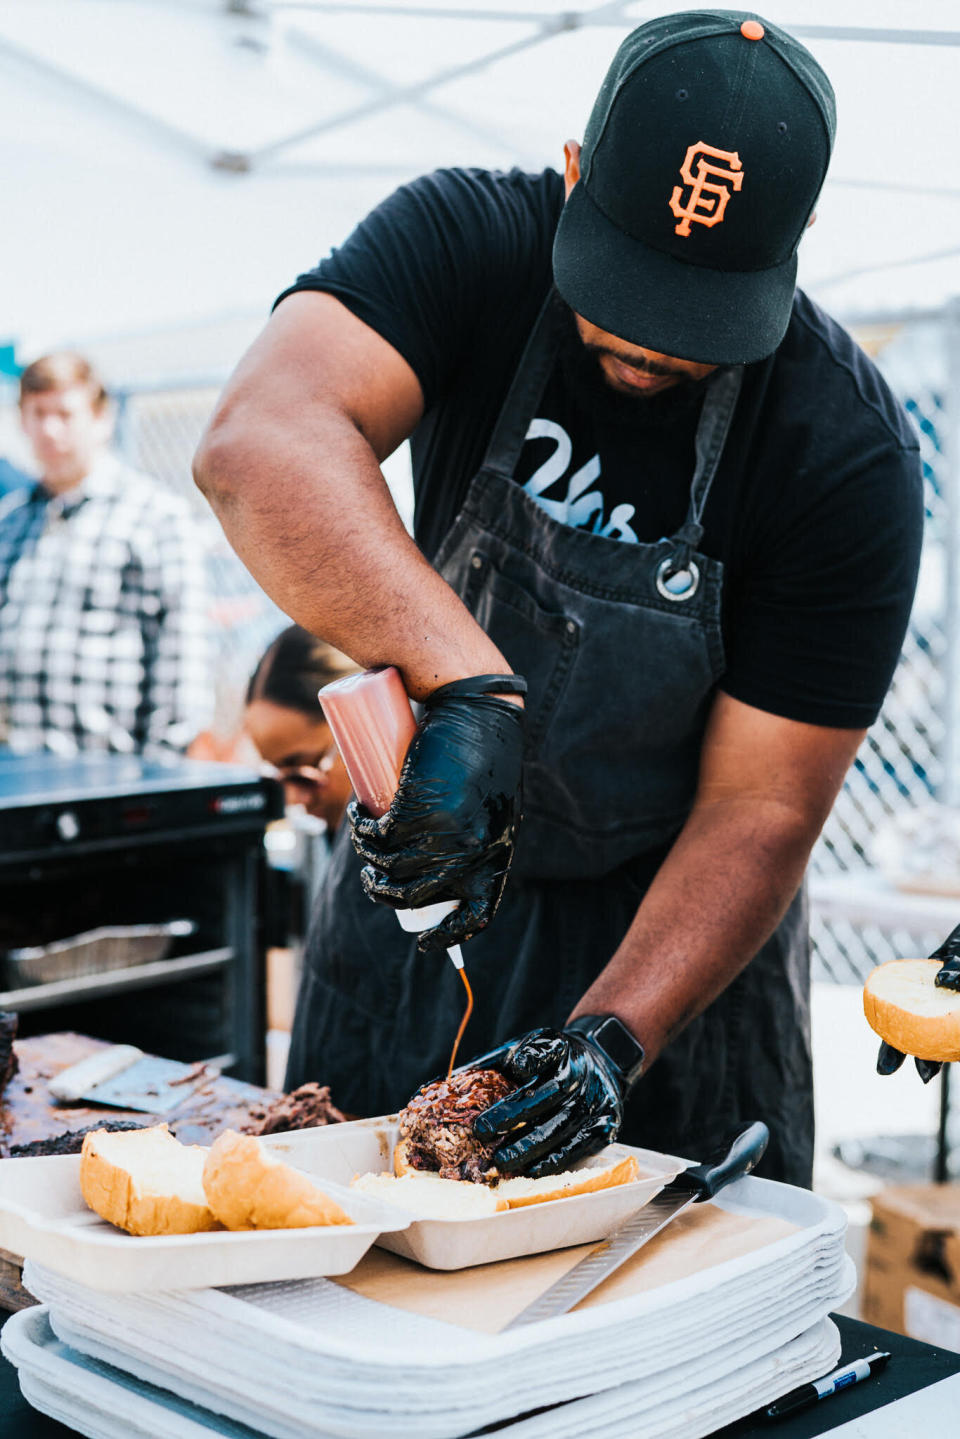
[(487, 1296), (28, 1113)]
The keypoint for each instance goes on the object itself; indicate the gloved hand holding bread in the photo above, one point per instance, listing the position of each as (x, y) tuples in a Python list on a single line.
[(569, 1087), (914, 1005)]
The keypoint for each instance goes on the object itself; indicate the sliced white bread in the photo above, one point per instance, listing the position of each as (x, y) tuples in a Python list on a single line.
[(145, 1181), (430, 1197), (247, 1188), (905, 1007), (401, 1159)]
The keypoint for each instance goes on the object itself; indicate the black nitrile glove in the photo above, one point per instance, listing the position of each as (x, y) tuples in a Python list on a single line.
[(449, 832), (569, 1102), (889, 1059)]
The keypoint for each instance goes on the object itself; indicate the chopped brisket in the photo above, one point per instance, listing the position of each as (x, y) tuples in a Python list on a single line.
[(303, 1108), (8, 1058), (437, 1125), (70, 1143)]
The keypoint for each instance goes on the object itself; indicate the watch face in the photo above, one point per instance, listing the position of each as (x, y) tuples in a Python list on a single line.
[(619, 1043)]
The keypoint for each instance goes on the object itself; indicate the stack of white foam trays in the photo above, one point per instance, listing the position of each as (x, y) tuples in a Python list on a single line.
[(308, 1359)]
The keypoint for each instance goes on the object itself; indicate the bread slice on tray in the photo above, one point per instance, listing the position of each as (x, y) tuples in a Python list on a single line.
[(430, 1197), (905, 1007), (145, 1181), (247, 1188), (519, 1192)]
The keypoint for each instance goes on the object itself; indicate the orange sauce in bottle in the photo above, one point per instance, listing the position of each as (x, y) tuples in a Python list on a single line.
[(463, 1023)]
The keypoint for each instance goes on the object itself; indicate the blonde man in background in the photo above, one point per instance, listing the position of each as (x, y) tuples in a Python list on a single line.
[(103, 627)]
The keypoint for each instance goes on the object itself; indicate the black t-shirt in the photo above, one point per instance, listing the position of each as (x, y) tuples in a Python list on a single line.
[(816, 508)]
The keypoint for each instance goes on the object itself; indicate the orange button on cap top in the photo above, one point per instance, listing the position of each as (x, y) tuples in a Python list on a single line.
[(752, 30)]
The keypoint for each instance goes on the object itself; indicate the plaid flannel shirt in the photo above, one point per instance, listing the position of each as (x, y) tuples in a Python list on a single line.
[(103, 618)]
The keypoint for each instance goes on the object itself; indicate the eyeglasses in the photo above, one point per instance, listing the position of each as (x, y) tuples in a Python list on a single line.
[(307, 776)]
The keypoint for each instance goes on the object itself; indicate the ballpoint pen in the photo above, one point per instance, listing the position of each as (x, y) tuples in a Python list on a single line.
[(832, 1383)]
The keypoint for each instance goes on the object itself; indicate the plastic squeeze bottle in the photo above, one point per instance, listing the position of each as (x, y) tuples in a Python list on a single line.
[(373, 723)]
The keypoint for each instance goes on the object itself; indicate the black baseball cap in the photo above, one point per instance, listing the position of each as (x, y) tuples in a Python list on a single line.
[(701, 165)]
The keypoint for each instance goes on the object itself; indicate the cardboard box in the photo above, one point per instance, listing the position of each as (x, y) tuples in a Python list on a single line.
[(912, 1281)]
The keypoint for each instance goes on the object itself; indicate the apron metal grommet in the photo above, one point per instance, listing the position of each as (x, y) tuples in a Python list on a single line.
[(571, 627), (477, 562), (678, 584)]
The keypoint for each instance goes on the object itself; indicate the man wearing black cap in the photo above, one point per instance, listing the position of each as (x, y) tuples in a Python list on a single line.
[(673, 496)]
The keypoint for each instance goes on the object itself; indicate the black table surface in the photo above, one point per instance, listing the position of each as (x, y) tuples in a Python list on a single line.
[(40, 779), (913, 1366)]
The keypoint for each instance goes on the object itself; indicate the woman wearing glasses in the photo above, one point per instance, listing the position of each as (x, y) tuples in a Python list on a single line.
[(284, 720)]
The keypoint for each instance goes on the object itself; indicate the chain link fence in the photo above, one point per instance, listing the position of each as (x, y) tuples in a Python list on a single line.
[(901, 763)]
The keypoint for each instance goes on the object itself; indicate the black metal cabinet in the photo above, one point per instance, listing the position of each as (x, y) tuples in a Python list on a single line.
[(107, 845)]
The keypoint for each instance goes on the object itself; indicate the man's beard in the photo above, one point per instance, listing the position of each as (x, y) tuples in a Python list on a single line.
[(581, 368)]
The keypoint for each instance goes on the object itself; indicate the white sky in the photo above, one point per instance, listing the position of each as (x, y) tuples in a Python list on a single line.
[(114, 220)]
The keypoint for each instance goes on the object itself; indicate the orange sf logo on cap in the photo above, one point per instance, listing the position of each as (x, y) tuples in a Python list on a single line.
[(710, 185)]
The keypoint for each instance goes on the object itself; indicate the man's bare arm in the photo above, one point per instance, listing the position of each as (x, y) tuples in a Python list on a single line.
[(290, 464), (766, 787)]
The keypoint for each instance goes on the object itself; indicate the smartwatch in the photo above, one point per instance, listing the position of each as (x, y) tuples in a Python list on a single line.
[(613, 1037)]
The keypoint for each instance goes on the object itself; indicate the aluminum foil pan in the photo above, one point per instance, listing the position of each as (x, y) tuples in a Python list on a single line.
[(115, 946)]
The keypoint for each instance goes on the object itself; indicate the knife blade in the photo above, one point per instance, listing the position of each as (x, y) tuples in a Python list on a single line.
[(123, 1077), (735, 1158)]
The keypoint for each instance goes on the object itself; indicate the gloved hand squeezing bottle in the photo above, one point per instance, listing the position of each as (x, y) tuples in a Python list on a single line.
[(450, 830), (890, 1059), (571, 1087)]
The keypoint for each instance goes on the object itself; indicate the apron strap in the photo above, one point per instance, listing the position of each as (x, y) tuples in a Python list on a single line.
[(528, 384), (525, 390), (712, 430)]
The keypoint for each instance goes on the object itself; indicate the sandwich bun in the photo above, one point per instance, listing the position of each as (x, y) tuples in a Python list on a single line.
[(430, 1197), (145, 1181), (246, 1188), (401, 1159), (904, 1006), (519, 1191)]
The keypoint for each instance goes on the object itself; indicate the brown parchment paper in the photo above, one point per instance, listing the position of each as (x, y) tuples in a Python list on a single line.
[(487, 1297)]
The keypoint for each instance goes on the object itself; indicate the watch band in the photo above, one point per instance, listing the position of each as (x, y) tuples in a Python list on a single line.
[(475, 685)]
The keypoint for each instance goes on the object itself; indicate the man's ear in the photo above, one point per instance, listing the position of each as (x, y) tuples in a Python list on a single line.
[(571, 167)]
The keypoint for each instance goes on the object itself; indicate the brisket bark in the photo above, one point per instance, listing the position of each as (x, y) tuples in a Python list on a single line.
[(303, 1108), (8, 1058), (70, 1143), (437, 1125)]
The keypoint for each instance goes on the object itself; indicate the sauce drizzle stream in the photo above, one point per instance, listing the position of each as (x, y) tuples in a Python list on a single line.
[(463, 1023)]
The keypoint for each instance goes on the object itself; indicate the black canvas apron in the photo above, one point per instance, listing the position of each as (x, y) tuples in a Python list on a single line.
[(621, 645)]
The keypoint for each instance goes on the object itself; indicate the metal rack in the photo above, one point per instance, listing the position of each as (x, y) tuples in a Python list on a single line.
[(113, 839)]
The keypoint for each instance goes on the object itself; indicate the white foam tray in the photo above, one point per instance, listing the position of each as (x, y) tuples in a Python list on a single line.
[(102, 1402), (365, 1368), (43, 1216), (338, 1152)]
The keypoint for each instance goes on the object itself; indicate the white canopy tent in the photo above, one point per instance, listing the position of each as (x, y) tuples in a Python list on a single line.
[(171, 164)]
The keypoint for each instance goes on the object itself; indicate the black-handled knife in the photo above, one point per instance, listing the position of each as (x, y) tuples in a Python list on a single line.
[(736, 1157)]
